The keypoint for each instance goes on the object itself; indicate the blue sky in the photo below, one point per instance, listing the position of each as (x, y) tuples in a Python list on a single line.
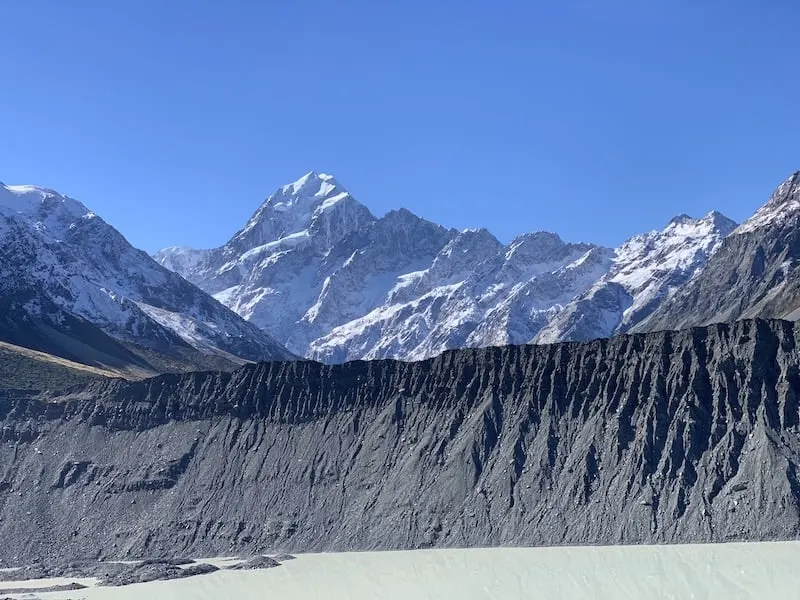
[(597, 119)]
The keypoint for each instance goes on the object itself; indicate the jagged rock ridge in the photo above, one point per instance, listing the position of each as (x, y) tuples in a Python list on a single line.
[(686, 436)]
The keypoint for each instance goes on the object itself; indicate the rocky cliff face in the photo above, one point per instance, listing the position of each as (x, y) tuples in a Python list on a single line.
[(684, 436)]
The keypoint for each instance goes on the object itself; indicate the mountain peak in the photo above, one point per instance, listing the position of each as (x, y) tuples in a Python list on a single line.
[(537, 240), (42, 208), (180, 259), (476, 232), (681, 219), (294, 207), (541, 247), (473, 238), (720, 222), (310, 179), (401, 215), (308, 187), (21, 197), (782, 206), (713, 222)]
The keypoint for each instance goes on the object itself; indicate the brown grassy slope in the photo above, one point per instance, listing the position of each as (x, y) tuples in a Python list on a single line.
[(26, 369)]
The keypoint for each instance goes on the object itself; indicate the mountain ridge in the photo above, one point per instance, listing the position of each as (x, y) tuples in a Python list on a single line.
[(315, 271), (371, 291), (754, 273)]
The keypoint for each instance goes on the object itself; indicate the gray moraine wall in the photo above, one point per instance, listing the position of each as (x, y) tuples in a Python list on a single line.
[(690, 436)]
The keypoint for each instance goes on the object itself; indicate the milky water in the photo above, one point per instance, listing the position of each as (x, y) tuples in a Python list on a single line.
[(724, 571)]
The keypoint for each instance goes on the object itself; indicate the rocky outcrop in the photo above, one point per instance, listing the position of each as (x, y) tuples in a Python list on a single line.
[(689, 436)]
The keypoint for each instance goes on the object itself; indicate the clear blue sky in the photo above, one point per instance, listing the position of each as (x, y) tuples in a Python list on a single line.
[(597, 119)]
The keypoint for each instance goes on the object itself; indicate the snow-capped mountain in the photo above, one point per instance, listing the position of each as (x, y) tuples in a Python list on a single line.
[(70, 284), (782, 208), (754, 273), (646, 270), (501, 297), (317, 271), (270, 271)]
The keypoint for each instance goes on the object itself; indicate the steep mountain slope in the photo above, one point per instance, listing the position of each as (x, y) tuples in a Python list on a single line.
[(754, 273), (647, 270), (686, 436), (317, 271), (72, 286)]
